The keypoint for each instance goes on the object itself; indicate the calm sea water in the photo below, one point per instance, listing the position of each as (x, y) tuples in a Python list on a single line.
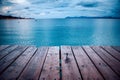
[(56, 32)]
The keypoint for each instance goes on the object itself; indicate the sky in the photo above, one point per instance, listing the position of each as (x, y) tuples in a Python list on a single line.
[(60, 8)]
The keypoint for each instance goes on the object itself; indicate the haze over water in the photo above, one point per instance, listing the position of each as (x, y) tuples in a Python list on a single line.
[(56, 32)]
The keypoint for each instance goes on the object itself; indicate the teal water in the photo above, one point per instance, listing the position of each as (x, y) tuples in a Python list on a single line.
[(56, 32)]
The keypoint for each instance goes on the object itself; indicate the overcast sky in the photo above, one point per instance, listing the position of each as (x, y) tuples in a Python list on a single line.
[(60, 8)]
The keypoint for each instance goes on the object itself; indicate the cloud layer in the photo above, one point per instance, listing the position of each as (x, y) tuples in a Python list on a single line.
[(60, 8)]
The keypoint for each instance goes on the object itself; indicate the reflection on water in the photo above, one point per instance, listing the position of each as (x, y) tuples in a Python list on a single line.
[(60, 32)]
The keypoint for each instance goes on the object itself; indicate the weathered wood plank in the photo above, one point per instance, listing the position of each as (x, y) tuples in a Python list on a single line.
[(2, 47), (93, 63), (50, 69), (111, 51), (14, 70), (7, 60), (116, 48), (87, 68), (111, 61), (7, 51), (34, 67), (70, 70), (101, 65)]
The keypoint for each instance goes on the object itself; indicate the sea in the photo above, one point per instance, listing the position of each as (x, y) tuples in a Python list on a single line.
[(57, 32)]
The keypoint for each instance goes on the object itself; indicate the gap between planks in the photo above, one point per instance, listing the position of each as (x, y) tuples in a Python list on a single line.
[(69, 55)]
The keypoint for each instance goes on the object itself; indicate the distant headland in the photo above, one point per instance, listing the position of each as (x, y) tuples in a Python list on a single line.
[(85, 17), (12, 17)]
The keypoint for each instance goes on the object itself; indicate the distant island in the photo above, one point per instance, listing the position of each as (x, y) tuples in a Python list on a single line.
[(12, 17), (82, 17)]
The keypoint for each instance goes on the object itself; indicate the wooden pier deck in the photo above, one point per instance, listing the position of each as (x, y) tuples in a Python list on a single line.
[(59, 63)]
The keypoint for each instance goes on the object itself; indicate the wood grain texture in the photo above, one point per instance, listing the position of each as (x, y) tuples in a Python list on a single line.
[(2, 47), (87, 68), (70, 70), (34, 67), (101, 65), (111, 51), (116, 48), (59, 63), (6, 61), (50, 69), (14, 70), (111, 61), (7, 51)]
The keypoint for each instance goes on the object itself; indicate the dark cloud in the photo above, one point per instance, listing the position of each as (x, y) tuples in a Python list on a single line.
[(60, 5), (8, 11), (37, 2), (116, 12), (88, 4), (5, 2), (1, 2), (60, 8), (26, 8)]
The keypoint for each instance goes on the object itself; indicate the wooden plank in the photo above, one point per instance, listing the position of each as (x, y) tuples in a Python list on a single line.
[(7, 60), (116, 48), (34, 67), (111, 61), (87, 68), (101, 65), (50, 69), (14, 70), (6, 51), (111, 51), (2, 47), (70, 70)]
